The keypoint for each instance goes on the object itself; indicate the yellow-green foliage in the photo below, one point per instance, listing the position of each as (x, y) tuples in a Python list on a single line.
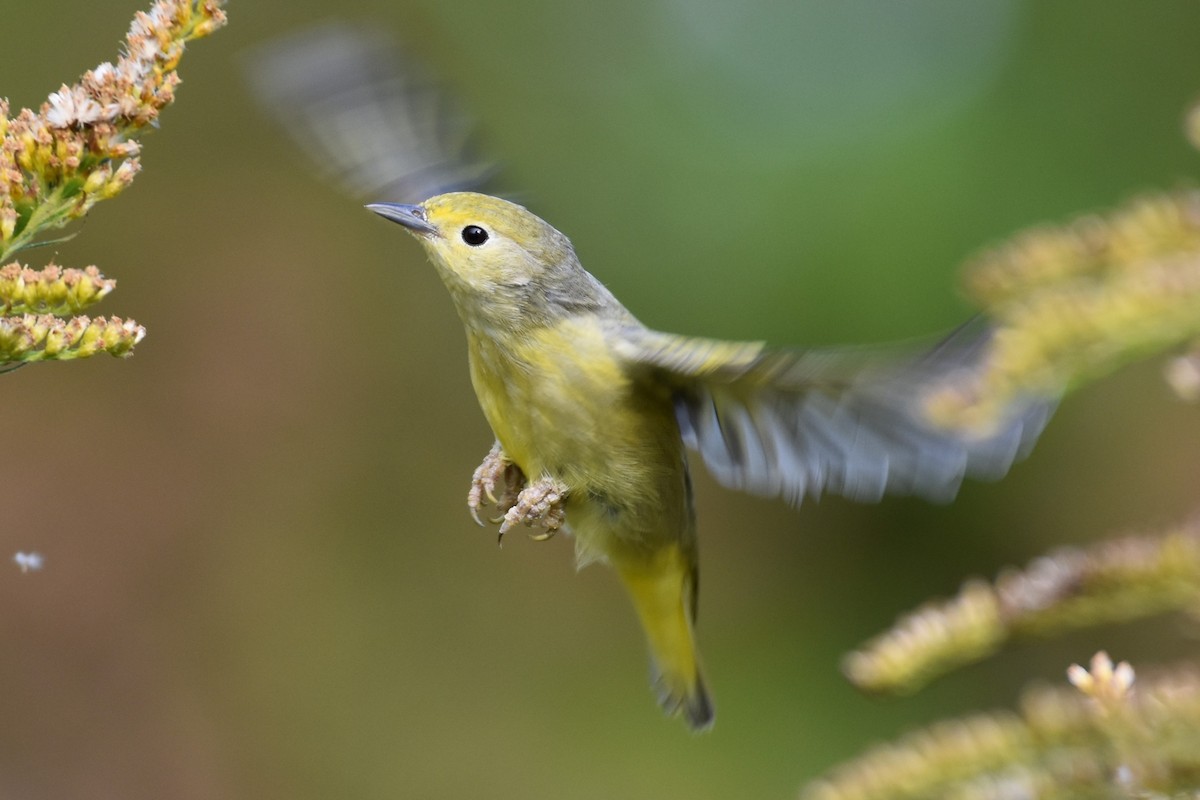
[(1069, 588), (1074, 303), (1107, 738), (1068, 304)]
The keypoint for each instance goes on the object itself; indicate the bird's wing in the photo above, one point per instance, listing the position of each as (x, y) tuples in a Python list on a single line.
[(367, 114), (850, 421)]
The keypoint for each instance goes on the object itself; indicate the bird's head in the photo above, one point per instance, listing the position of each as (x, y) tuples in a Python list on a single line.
[(496, 258), (481, 240)]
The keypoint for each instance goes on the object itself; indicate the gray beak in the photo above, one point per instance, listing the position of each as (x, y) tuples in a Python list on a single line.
[(411, 217)]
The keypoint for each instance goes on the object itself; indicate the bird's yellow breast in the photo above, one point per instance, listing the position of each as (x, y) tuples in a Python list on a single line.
[(561, 404)]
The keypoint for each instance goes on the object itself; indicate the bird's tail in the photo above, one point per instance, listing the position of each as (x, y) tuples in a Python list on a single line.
[(663, 588)]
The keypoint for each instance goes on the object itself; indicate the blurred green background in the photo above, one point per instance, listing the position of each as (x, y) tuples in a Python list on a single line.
[(261, 578)]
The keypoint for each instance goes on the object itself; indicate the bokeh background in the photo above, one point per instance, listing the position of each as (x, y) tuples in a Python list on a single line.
[(261, 580)]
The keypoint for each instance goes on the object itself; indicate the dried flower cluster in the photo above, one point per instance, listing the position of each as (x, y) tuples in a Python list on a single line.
[(928, 642), (42, 338), (79, 148), (1073, 303), (1070, 588), (1104, 739), (51, 290)]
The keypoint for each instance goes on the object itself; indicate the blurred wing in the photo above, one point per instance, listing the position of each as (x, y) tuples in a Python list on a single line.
[(849, 421), (368, 116)]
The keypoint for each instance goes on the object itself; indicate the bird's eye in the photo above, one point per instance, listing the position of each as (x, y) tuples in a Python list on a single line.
[(474, 235)]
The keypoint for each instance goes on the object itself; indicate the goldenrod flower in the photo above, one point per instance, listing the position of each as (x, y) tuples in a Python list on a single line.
[(79, 148), (1125, 578), (31, 337), (51, 290), (1073, 303), (1103, 740)]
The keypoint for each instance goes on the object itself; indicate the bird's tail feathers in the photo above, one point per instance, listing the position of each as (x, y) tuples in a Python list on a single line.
[(663, 588), (684, 696)]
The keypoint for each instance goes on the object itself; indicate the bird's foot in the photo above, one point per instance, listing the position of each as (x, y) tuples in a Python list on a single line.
[(540, 504), (496, 470)]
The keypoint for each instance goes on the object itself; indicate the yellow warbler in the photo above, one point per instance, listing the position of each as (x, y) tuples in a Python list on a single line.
[(592, 411)]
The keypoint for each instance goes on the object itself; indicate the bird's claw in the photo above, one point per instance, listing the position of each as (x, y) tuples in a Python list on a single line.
[(496, 470), (539, 504)]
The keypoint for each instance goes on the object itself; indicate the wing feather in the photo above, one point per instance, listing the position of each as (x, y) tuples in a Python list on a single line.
[(368, 115), (850, 421)]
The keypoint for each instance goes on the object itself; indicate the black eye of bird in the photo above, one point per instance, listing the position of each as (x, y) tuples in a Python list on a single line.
[(474, 235)]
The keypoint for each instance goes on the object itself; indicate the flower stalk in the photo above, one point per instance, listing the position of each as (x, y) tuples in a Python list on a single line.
[(1074, 303), (1107, 737), (1071, 588)]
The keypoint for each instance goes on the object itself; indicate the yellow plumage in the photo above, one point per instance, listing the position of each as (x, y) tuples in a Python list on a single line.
[(593, 411), (562, 405)]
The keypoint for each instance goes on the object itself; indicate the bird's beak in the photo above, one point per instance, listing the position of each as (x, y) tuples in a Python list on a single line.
[(411, 217)]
